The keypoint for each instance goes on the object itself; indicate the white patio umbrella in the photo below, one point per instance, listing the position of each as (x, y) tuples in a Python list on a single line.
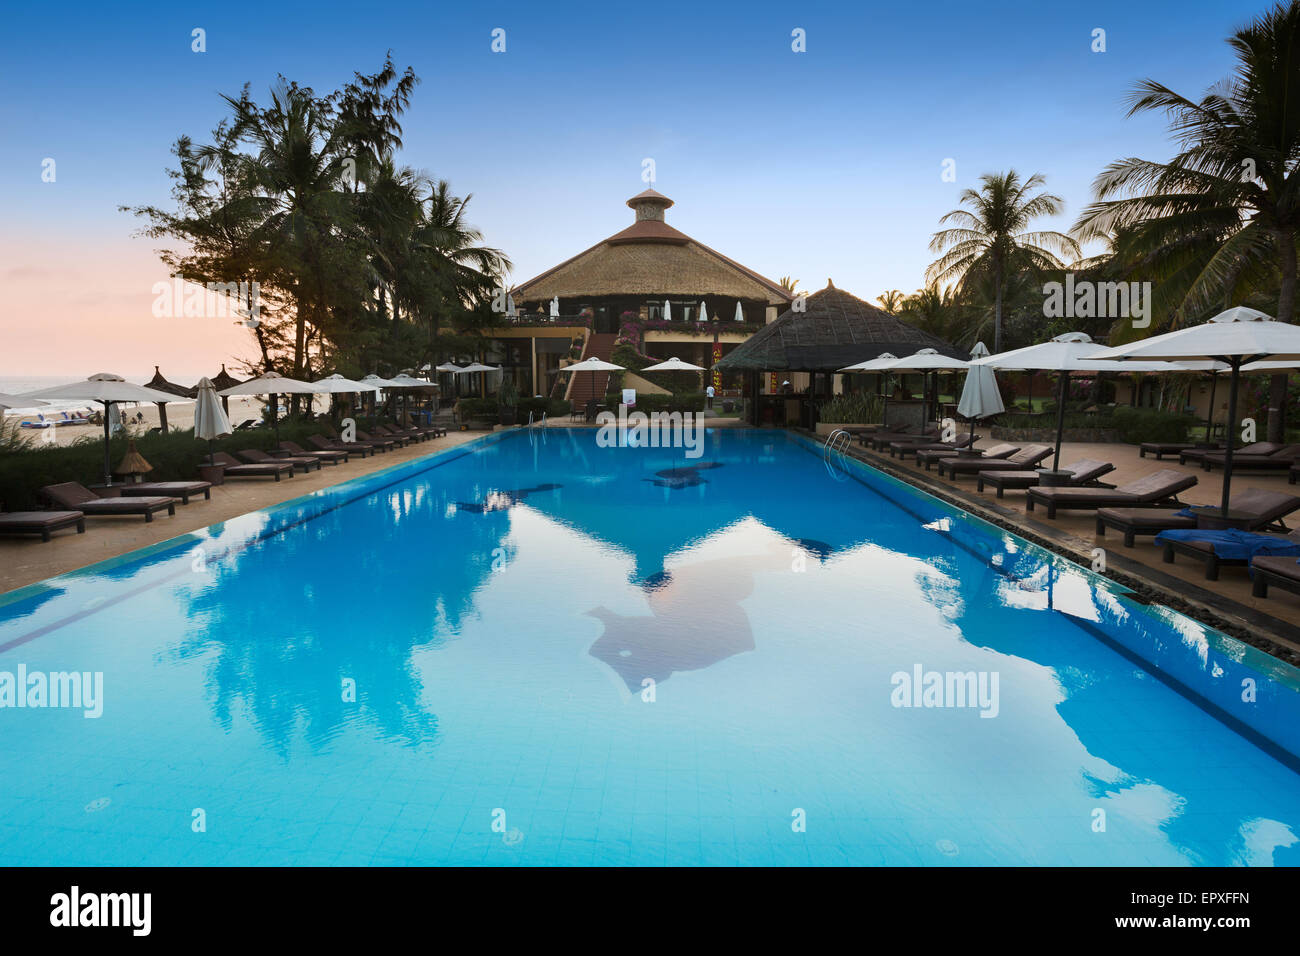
[(338, 385), (1238, 336), (484, 369), (1064, 354), (13, 401), (105, 388), (878, 364), (272, 384), (210, 420), (593, 364), (926, 361), (740, 313), (673, 364), (405, 383), (980, 397)]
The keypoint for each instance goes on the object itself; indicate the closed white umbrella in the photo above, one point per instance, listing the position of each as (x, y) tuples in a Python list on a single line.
[(980, 397), (740, 313), (668, 311), (555, 307), (704, 312), (210, 420), (510, 307), (1238, 336), (1064, 354), (273, 385), (105, 388)]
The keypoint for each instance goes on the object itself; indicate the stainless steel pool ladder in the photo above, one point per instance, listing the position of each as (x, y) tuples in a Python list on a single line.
[(834, 452)]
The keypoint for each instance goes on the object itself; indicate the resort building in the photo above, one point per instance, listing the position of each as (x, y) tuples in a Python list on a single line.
[(668, 292)]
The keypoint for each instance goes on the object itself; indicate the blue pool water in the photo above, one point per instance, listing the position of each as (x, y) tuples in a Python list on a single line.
[(499, 609)]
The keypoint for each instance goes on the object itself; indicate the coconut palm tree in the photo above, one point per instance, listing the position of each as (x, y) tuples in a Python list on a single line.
[(789, 284), (890, 301), (1221, 218), (990, 238)]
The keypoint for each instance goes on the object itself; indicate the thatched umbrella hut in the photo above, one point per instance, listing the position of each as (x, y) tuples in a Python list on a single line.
[(224, 380), (161, 384), (833, 330)]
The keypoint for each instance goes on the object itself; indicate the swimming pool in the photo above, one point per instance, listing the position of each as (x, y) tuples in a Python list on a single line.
[(536, 650)]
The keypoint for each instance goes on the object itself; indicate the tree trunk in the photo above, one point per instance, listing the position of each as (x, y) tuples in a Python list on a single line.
[(1285, 313), (997, 314)]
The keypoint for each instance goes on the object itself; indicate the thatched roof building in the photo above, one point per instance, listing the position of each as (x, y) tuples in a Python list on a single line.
[(161, 384), (835, 329), (649, 259)]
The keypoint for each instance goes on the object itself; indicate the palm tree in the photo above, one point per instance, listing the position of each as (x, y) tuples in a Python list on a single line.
[(1220, 218), (890, 301), (988, 241), (789, 284)]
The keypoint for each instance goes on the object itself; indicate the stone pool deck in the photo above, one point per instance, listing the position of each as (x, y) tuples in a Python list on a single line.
[(1271, 623)]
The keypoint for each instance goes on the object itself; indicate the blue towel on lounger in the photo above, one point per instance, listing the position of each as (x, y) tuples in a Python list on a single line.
[(1231, 544)]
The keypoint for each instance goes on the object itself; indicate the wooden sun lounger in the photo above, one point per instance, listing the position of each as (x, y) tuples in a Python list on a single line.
[(1280, 460), (1274, 570), (1024, 460), (381, 441), (324, 454), (1086, 472), (183, 490), (1154, 488), (324, 444), (999, 453), (41, 522), (255, 456), (1204, 551), (1268, 507), (1162, 448), (72, 496), (237, 469), (1255, 448), (900, 449)]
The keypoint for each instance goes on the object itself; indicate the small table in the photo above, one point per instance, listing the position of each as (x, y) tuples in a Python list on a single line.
[(1047, 478), (1212, 518)]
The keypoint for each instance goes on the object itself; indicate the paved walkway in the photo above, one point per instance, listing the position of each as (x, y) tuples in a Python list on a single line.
[(1226, 603)]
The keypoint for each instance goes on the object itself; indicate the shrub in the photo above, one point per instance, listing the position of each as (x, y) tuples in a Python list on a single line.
[(857, 408), (175, 456), (1137, 425), (686, 402)]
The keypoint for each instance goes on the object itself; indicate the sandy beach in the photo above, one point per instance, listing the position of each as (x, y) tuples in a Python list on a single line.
[(179, 415)]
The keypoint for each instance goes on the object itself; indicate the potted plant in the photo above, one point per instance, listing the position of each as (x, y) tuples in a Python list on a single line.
[(508, 397)]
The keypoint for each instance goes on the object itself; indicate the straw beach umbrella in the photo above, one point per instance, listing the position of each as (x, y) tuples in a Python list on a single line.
[(980, 397), (162, 385), (1238, 337), (210, 419), (105, 388)]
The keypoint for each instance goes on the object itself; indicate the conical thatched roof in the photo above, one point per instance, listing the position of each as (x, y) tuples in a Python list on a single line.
[(653, 259), (836, 329), (162, 385), (224, 379)]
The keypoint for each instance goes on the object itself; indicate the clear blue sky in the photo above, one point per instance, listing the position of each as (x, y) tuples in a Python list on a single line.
[(824, 163)]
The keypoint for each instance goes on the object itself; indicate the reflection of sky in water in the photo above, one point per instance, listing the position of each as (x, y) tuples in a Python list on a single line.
[(501, 617)]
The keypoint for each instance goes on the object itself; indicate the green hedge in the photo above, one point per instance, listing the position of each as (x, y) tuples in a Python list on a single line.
[(175, 456), (1137, 425), (686, 402)]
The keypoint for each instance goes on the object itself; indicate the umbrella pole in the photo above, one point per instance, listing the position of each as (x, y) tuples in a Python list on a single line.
[(108, 465), (1209, 418), (1228, 430), (275, 417), (1060, 420)]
